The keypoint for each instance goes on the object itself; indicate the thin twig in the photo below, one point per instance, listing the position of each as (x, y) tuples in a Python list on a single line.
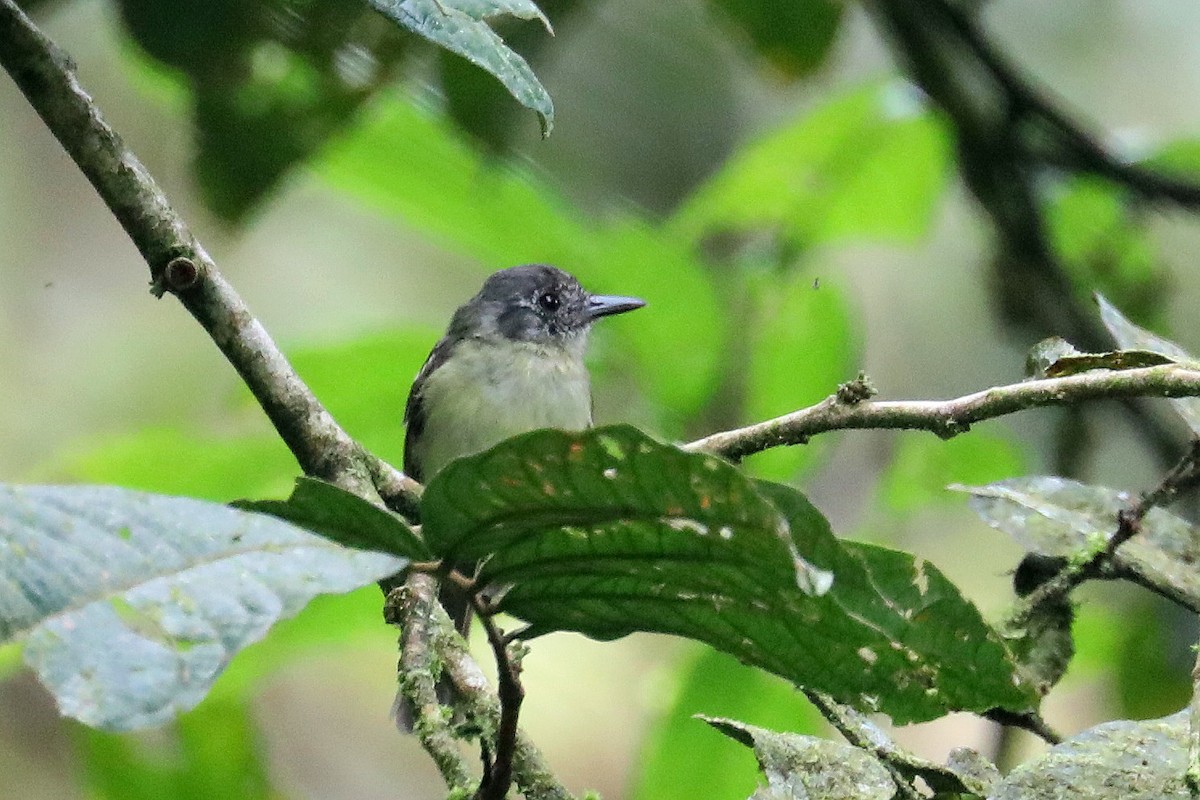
[(866, 736), (948, 418), (531, 774), (1184, 475), (498, 778)]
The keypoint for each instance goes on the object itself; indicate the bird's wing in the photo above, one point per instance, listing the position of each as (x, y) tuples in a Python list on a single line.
[(414, 409)]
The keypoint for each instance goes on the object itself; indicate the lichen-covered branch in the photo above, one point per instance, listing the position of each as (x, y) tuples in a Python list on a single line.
[(414, 608), (948, 418), (472, 693)]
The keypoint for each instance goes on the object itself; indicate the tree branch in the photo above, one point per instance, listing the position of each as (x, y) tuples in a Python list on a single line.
[(180, 265), (414, 607), (948, 418), (1010, 138)]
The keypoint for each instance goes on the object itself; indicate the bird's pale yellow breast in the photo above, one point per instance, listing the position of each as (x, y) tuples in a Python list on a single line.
[(489, 391)]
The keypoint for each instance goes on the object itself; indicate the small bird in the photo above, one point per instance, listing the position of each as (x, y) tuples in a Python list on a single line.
[(510, 362)]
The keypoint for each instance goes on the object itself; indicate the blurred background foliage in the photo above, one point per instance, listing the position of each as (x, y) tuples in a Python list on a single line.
[(759, 171)]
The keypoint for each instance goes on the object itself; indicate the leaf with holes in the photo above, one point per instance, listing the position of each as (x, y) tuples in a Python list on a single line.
[(608, 532), (130, 604), (461, 27)]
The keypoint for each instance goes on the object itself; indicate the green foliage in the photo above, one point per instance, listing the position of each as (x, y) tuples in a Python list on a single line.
[(179, 462), (1093, 226), (803, 345), (870, 164), (713, 683), (1060, 517), (793, 38), (504, 217), (1132, 337), (272, 83), (461, 27), (131, 604), (604, 533), (344, 518)]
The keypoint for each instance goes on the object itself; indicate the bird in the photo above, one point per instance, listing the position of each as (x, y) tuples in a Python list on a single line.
[(511, 361)]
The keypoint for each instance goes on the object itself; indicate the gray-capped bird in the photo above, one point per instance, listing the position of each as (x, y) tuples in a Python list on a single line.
[(510, 362)]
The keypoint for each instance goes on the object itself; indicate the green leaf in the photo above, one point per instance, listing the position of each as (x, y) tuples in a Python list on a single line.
[(1120, 760), (612, 497), (342, 517), (461, 27), (131, 604), (608, 532), (1055, 357), (870, 164), (794, 37), (1060, 517), (1131, 337), (682, 759), (922, 467), (800, 767), (936, 649)]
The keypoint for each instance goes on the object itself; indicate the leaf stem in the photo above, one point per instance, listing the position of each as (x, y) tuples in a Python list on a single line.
[(498, 777)]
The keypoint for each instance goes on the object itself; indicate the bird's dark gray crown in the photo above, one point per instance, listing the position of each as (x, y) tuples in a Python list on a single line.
[(532, 303)]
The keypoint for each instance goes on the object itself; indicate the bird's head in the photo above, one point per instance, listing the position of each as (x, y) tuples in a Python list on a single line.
[(535, 303)]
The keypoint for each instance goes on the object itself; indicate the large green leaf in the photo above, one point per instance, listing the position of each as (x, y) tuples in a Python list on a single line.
[(870, 164), (461, 27), (1061, 517), (1132, 337), (608, 532), (1120, 760), (131, 604)]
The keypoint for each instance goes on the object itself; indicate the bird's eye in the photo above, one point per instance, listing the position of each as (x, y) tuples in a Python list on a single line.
[(548, 300)]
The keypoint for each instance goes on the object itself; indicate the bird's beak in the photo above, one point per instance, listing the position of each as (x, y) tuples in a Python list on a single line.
[(603, 305)]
